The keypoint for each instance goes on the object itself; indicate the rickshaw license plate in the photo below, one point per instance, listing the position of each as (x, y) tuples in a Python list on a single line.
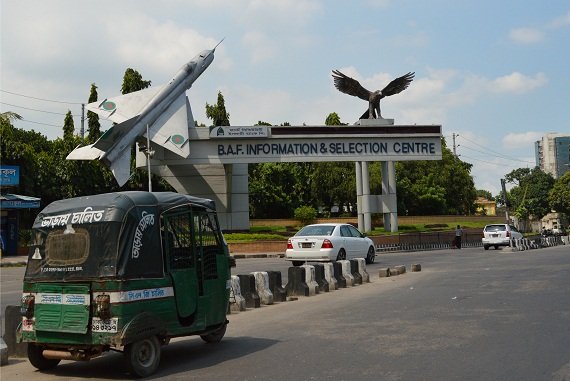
[(109, 326)]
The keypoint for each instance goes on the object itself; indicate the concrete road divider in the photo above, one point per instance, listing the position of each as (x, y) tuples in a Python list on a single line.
[(320, 277), (276, 286), (237, 301), (262, 287), (247, 284), (340, 279), (354, 271), (347, 273), (362, 270), (329, 276), (296, 285), (310, 279), (398, 270), (416, 267), (384, 272)]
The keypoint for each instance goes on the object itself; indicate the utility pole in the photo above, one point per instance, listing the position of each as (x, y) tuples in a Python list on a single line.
[(454, 135), (505, 199), (82, 132)]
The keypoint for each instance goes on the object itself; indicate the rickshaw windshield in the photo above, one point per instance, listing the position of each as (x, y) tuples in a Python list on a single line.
[(88, 251)]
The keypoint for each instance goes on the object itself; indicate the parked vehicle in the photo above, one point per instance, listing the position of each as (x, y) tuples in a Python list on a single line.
[(329, 242), (499, 235), (125, 271)]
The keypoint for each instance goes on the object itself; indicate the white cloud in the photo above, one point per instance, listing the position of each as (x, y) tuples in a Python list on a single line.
[(526, 35), (561, 21), (518, 83), (260, 45), (515, 140)]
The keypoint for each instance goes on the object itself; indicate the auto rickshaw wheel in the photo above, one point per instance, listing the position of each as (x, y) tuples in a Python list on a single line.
[(37, 358), (215, 336), (142, 357)]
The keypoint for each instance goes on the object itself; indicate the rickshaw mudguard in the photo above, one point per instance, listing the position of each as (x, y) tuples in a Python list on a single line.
[(142, 326)]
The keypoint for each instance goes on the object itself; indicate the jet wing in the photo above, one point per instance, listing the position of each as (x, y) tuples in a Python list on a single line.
[(124, 107), (170, 130)]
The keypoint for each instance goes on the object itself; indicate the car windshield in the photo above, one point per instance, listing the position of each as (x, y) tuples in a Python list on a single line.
[(495, 228), (312, 230)]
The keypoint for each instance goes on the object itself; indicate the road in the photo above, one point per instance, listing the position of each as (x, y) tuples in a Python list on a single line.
[(469, 314)]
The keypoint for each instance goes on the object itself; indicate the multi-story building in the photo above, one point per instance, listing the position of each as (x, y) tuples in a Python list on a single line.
[(552, 154)]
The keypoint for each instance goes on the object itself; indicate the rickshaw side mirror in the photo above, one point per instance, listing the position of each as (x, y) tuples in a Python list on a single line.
[(232, 261)]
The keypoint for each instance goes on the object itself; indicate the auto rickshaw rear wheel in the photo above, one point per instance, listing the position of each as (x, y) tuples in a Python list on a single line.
[(215, 336), (37, 358), (142, 357)]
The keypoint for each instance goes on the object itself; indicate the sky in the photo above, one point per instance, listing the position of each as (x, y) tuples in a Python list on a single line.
[(494, 74)]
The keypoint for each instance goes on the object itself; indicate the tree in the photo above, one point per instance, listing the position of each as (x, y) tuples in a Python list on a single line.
[(132, 81), (559, 195), (529, 196), (485, 194), (68, 127), (218, 113), (333, 120), (93, 125), (435, 187)]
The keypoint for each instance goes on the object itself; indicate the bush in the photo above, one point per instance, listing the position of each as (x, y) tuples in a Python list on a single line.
[(305, 214)]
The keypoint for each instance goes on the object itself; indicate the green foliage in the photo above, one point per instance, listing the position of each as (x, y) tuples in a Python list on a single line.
[(218, 113), (93, 125), (68, 126), (485, 194), (240, 237), (132, 81), (435, 187), (529, 196), (333, 120), (305, 214), (559, 195)]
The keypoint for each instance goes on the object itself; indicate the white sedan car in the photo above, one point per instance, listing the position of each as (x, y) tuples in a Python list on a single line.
[(329, 242)]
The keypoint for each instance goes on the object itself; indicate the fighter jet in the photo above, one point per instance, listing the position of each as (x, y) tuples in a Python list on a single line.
[(164, 110)]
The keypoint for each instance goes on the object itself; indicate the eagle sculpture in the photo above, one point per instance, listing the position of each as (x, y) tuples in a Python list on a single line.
[(351, 86)]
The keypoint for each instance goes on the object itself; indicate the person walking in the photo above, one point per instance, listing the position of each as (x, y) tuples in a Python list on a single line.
[(458, 234)]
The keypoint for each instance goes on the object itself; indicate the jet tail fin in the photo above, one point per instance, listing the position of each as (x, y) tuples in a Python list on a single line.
[(121, 167)]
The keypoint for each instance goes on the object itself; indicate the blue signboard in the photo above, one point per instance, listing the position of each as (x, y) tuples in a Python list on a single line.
[(9, 175), (15, 201)]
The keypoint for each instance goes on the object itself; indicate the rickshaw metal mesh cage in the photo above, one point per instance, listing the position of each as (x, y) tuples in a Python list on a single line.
[(63, 248)]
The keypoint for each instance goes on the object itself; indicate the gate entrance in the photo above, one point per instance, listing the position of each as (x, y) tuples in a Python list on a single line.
[(217, 165)]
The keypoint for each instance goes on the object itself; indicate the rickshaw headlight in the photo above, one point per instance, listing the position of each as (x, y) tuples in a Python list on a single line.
[(103, 306), (27, 306)]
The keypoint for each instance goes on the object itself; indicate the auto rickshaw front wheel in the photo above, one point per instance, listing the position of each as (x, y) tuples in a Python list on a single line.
[(142, 357), (37, 359), (215, 336)]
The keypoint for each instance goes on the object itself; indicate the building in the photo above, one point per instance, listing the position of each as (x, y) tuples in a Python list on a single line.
[(552, 154), (486, 207)]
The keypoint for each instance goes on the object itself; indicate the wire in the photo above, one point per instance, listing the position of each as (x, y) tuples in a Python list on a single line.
[(40, 99), (506, 158), (498, 154), (33, 109), (45, 124), (490, 162)]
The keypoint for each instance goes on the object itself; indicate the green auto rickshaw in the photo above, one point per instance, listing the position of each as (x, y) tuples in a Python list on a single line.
[(123, 271)]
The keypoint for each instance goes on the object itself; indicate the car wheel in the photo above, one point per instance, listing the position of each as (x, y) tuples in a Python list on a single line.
[(37, 358), (486, 247), (371, 256), (142, 357), (215, 336), (298, 263), (341, 255)]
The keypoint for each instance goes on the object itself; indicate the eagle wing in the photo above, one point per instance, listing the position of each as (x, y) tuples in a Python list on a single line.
[(349, 86), (398, 85)]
